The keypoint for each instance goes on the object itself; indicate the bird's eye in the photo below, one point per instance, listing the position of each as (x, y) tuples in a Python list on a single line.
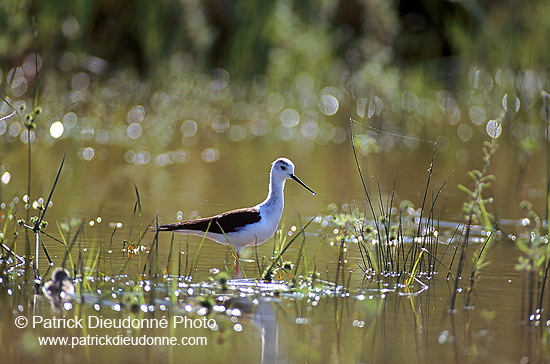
[(283, 168)]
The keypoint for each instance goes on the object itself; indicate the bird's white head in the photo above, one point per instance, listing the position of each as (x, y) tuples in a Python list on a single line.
[(283, 168)]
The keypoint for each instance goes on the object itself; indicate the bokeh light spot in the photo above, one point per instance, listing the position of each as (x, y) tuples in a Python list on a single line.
[(493, 128), (310, 129), (210, 155), (136, 114), (69, 120), (15, 129), (189, 128), (6, 177), (80, 81), (57, 129), (18, 81), (220, 124), (275, 103), (237, 133), (24, 136), (142, 158), (477, 115), (87, 153), (133, 131), (32, 63), (328, 104), (510, 103), (465, 132), (290, 118), (340, 135)]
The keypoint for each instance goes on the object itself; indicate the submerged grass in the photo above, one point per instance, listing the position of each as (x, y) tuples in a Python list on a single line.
[(405, 248)]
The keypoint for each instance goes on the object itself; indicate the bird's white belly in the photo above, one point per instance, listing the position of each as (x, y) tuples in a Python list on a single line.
[(252, 234)]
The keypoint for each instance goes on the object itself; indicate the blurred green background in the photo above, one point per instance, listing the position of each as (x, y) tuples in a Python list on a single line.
[(282, 39), (161, 79)]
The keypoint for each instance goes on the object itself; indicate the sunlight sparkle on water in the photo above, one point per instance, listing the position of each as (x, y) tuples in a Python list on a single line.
[(87, 153), (328, 104), (6, 177), (493, 128), (57, 129)]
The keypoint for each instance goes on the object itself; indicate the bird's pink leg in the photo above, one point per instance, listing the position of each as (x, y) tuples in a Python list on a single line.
[(238, 273)]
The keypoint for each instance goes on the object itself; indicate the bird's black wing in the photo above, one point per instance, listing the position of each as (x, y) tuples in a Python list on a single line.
[(227, 222)]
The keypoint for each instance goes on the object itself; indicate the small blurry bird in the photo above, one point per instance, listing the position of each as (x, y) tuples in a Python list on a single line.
[(59, 289)]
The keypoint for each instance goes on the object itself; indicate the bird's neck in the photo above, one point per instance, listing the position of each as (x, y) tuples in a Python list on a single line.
[(275, 197)]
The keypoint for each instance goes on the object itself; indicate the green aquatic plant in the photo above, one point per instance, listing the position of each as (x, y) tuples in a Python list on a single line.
[(476, 206), (277, 262), (388, 236), (535, 261), (479, 262), (62, 229), (476, 212), (37, 224)]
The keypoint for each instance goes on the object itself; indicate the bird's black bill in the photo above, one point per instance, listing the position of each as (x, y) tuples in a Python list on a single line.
[(302, 183)]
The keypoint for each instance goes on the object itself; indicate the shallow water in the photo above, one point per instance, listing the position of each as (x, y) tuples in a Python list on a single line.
[(340, 318), (273, 323)]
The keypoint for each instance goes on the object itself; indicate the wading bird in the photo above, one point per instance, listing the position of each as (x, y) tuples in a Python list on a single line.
[(248, 226)]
